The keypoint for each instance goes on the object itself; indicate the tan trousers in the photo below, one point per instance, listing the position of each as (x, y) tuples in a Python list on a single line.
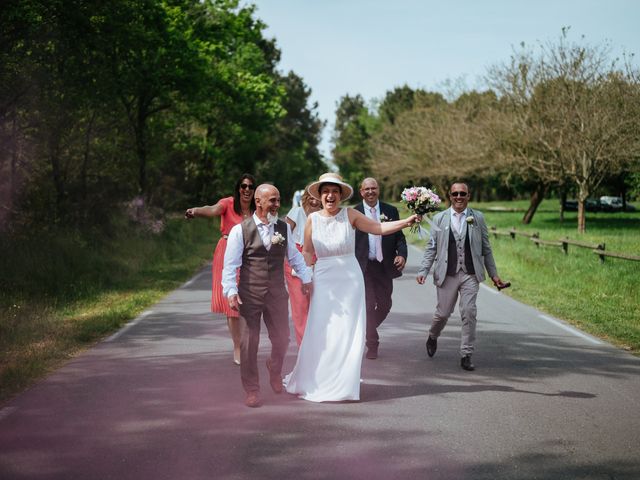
[(466, 286)]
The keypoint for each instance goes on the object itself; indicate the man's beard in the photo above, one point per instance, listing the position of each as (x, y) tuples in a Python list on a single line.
[(271, 218)]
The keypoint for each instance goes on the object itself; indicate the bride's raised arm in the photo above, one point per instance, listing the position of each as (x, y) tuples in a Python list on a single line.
[(365, 224), (308, 252)]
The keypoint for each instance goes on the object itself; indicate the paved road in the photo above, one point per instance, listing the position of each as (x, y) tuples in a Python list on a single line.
[(162, 400)]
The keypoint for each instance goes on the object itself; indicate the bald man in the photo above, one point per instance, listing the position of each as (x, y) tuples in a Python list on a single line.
[(258, 247)]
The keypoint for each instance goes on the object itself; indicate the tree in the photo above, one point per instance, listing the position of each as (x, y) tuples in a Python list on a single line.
[(292, 151), (435, 144), (351, 139), (100, 101), (571, 112)]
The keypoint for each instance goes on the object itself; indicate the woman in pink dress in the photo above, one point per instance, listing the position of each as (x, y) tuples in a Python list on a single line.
[(231, 210), (297, 219)]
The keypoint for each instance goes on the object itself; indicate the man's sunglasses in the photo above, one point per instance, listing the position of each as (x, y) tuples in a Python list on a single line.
[(458, 194), (244, 186)]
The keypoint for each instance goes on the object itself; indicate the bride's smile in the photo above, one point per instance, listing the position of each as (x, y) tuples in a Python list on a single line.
[(330, 196)]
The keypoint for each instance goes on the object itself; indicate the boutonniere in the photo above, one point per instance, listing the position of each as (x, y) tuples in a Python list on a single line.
[(470, 220), (383, 218), (277, 239)]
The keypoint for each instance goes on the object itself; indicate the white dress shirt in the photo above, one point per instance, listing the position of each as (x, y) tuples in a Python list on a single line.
[(458, 219), (235, 247), (372, 237)]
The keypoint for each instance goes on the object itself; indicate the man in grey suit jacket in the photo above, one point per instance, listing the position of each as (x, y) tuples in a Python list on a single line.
[(459, 251)]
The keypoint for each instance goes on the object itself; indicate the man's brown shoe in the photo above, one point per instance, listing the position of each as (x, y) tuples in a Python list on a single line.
[(253, 400), (274, 378)]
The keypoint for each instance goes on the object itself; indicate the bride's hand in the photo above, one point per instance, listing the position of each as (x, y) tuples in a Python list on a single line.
[(413, 219)]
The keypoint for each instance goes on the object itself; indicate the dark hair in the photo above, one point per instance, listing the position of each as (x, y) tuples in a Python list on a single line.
[(323, 184), (236, 194)]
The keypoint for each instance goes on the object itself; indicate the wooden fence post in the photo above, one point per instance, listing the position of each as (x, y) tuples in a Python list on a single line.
[(565, 246), (601, 246)]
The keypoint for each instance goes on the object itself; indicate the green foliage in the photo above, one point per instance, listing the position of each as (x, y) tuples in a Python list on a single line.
[(291, 155), (353, 128), (599, 298), (62, 290), (564, 119), (100, 101)]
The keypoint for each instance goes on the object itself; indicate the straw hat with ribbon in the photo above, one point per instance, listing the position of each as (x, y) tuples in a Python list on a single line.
[(346, 191)]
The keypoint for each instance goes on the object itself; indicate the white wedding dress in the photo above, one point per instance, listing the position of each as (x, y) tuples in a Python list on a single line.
[(330, 355)]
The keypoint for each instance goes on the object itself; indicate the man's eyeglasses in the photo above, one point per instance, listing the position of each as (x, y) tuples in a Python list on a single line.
[(244, 186), (458, 194)]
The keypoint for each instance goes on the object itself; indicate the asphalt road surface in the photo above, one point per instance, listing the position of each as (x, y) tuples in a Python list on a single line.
[(161, 399)]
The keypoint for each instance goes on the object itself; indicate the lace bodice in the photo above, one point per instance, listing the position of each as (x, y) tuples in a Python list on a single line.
[(332, 236)]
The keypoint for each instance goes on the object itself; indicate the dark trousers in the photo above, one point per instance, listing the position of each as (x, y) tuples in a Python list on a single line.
[(378, 290), (275, 312)]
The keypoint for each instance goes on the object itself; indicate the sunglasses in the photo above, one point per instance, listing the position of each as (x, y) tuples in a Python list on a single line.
[(244, 186), (458, 194)]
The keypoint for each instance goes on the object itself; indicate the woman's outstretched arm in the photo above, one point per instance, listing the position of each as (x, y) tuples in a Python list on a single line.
[(365, 224), (207, 211)]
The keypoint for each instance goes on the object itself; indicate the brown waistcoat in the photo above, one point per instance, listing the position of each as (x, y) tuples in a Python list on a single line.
[(262, 271)]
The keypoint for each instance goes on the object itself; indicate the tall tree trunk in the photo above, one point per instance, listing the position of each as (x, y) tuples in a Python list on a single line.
[(581, 216), (563, 200), (141, 150), (13, 198), (536, 198), (583, 193), (85, 156), (56, 174)]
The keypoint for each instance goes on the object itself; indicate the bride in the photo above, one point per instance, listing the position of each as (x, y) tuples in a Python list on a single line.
[(330, 355)]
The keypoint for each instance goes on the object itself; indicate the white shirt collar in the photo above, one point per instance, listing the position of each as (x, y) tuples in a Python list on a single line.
[(464, 212), (258, 221), (367, 208)]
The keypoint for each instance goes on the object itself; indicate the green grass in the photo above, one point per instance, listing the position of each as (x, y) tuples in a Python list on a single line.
[(62, 292), (602, 299)]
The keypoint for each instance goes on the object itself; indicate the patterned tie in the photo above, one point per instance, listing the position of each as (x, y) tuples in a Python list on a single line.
[(378, 238)]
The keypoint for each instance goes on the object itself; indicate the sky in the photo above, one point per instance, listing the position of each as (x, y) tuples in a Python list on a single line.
[(368, 47)]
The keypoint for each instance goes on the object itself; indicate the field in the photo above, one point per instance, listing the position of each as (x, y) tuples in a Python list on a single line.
[(602, 299), (62, 292)]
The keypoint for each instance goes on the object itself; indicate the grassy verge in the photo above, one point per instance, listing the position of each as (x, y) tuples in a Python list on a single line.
[(601, 299), (63, 292)]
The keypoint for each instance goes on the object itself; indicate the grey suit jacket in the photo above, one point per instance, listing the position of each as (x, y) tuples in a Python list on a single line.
[(436, 252)]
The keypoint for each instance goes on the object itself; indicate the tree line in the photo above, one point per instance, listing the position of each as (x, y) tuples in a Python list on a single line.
[(169, 101), (562, 116)]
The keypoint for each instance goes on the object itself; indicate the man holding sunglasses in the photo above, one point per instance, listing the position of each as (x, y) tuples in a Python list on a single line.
[(459, 247)]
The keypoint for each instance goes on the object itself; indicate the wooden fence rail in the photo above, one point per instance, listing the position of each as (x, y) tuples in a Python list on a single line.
[(599, 249), (623, 256), (549, 243)]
